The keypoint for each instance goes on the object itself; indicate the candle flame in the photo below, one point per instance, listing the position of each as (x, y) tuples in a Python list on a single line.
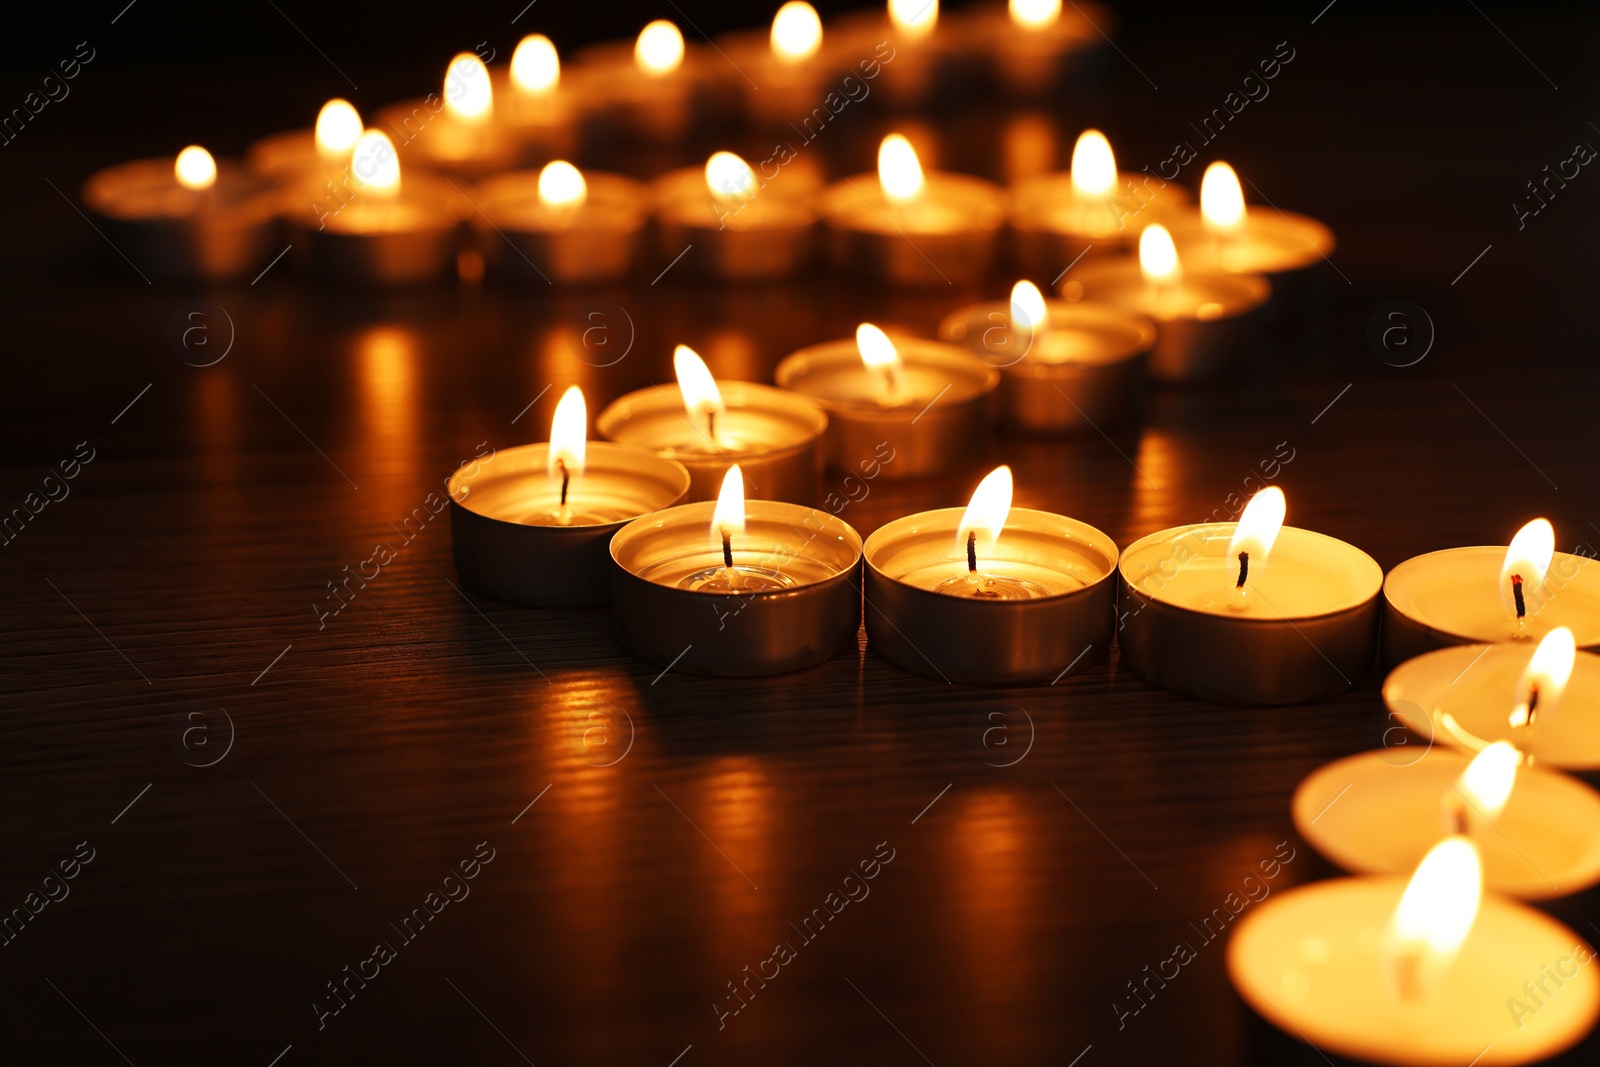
[(1527, 557), (569, 434), (375, 165), (1544, 680), (467, 95), (727, 520), (1258, 526), (659, 49), (878, 353), (796, 31), (1486, 783), (1028, 310), (1435, 914), (899, 171), (1221, 199), (1158, 256), (338, 129), (195, 168), (1032, 14), (535, 65), (730, 178), (914, 18), (702, 400), (986, 513), (562, 185), (1094, 167)]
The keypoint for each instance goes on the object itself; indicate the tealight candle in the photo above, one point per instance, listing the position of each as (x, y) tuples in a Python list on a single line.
[(920, 63), (186, 219), (560, 225), (783, 64), (1064, 368), (454, 132), (1469, 696), (1204, 611), (655, 90), (538, 111), (741, 229), (1203, 317), (1093, 208), (1425, 972), (323, 150), (1538, 830), (377, 230), (1486, 594), (533, 524), (775, 436), (989, 595), (1226, 234), (734, 589), (1032, 47), (904, 227), (926, 402)]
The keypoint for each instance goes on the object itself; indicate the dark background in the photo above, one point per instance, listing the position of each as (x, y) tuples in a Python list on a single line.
[(417, 724)]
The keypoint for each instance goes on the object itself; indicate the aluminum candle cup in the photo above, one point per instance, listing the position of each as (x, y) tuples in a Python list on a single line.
[(1451, 597), (1279, 244), (224, 231), (1310, 961), (361, 237), (934, 418), (775, 436), (1546, 843), (525, 237), (1052, 612), (1051, 223), (542, 124), (1306, 628), (661, 106), (514, 541), (755, 235), (946, 235), (790, 601), (427, 134), (1085, 370)]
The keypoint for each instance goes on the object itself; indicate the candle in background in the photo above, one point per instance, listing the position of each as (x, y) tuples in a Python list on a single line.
[(539, 112), (1031, 49), (1225, 233), (320, 153), (735, 226), (559, 225), (787, 73), (453, 131), (654, 92)]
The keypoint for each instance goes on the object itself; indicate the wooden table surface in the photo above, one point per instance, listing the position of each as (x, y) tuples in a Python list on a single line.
[(268, 796)]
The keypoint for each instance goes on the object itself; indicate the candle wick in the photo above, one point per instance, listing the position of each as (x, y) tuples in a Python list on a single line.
[(711, 424), (1533, 704), (566, 479), (891, 387), (1516, 594), (1244, 569), (727, 547), (972, 552)]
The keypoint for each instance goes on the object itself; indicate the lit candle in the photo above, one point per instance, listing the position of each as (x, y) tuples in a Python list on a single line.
[(1065, 368), (1226, 234), (774, 435), (559, 225), (925, 403), (1248, 612), (655, 90), (537, 108), (737, 588), (453, 131), (532, 524), (989, 594), (1487, 594), (1090, 209), (906, 227), (788, 76), (319, 153), (186, 218), (1427, 972), (740, 227), (1036, 48)]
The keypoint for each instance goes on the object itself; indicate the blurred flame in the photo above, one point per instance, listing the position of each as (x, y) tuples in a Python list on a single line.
[(1435, 914), (1487, 780), (467, 94), (1221, 199), (899, 172), (195, 168), (562, 185), (878, 353), (535, 65), (1094, 168), (1028, 310), (659, 49), (1032, 14), (338, 129), (728, 517), (569, 434), (1158, 256), (1544, 680), (1528, 557), (986, 513), (914, 18), (702, 400), (796, 31), (374, 163), (1258, 526), (729, 177)]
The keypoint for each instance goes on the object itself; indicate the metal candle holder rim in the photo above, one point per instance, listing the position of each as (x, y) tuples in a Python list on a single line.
[(668, 468)]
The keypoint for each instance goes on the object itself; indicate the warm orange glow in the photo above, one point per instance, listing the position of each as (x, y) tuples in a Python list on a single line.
[(659, 49), (730, 178), (467, 95), (535, 65), (375, 164), (1528, 557), (1094, 168), (562, 185), (727, 520), (796, 32), (1221, 199), (569, 435), (914, 18), (986, 514), (1434, 916), (1032, 14), (195, 168), (1258, 527), (702, 400), (878, 354), (1544, 680), (899, 171), (1487, 781), (338, 129), (1028, 310), (1158, 256)]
